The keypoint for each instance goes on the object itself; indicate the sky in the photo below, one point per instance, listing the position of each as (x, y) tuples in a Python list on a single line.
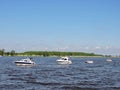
[(91, 26)]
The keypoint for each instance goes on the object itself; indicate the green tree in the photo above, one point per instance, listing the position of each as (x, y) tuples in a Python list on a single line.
[(7, 53), (12, 53), (2, 52)]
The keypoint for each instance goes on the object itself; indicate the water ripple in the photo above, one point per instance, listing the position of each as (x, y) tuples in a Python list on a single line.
[(100, 75)]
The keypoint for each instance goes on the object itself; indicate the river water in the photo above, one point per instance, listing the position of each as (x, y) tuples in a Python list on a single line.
[(48, 75)]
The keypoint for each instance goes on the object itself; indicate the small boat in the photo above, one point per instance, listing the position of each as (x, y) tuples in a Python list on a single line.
[(64, 60), (89, 61), (27, 61), (109, 60)]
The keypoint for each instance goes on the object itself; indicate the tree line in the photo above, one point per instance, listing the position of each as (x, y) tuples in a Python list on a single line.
[(6, 53), (45, 53), (56, 53)]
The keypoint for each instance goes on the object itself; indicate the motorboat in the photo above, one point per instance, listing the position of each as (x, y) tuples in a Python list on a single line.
[(64, 60), (109, 60), (26, 61), (89, 61)]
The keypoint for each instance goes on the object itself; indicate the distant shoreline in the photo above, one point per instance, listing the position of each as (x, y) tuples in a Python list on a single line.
[(62, 56), (51, 54)]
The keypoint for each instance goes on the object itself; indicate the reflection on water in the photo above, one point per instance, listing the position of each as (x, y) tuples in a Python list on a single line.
[(48, 75), (24, 65)]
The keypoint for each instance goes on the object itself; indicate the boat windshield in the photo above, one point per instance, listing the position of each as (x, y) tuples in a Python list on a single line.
[(64, 58)]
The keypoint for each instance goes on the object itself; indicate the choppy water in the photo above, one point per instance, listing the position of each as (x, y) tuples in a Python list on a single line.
[(48, 75)]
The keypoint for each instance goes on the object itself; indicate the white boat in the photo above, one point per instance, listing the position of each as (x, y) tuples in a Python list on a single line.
[(27, 61), (89, 61), (109, 60), (64, 60)]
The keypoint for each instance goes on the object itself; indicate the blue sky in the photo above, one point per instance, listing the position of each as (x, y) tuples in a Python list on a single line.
[(64, 25)]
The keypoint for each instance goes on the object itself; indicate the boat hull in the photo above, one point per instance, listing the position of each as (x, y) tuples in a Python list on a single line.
[(63, 62), (27, 63), (89, 61), (109, 60), (24, 62)]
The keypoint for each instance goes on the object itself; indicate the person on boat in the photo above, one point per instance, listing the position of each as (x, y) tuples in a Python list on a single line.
[(30, 58)]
